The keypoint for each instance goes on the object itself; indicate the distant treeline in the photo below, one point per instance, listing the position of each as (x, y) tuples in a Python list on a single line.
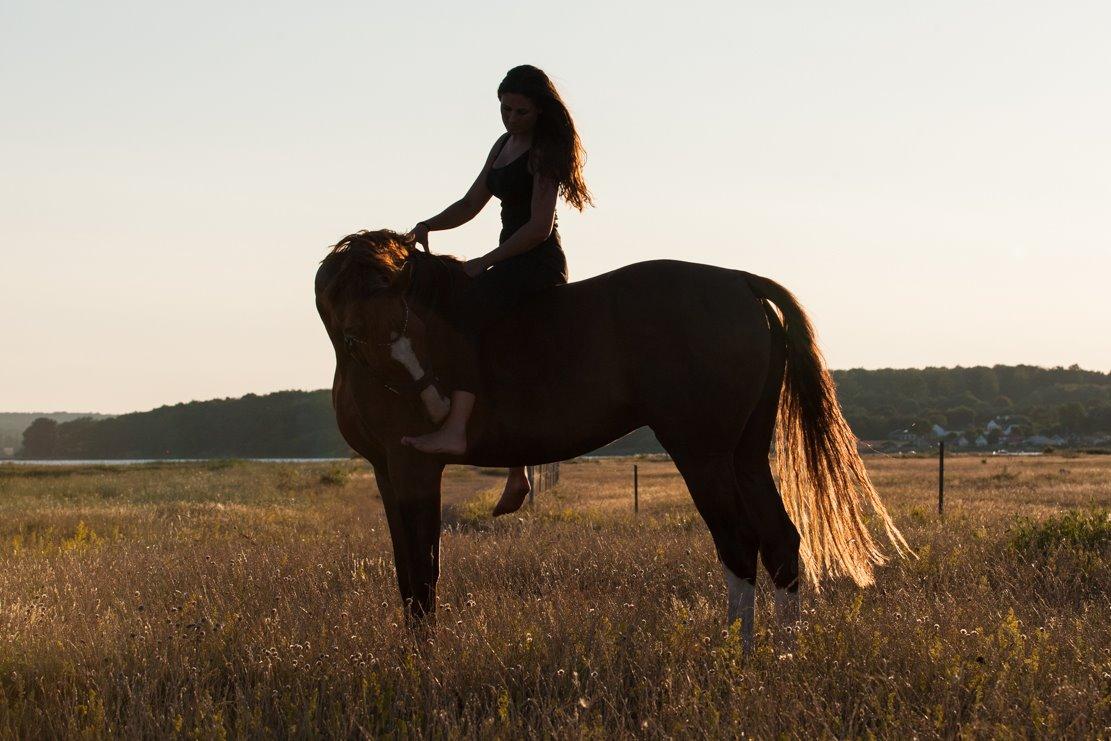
[(876, 402), (287, 424), (12, 425), (1048, 401)]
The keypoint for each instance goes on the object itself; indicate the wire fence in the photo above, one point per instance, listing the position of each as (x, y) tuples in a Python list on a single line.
[(543, 477)]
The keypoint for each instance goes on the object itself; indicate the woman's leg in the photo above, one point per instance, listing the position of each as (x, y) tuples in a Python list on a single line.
[(517, 487), (489, 296), (459, 335), (451, 438), (549, 272)]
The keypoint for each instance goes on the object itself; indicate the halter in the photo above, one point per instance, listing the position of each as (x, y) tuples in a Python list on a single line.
[(410, 388)]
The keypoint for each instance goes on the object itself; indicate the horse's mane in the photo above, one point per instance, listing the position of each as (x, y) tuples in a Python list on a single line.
[(371, 260)]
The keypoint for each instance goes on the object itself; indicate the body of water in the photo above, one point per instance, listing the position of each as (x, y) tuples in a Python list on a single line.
[(138, 461)]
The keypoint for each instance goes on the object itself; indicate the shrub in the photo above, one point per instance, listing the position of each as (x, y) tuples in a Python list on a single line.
[(1086, 531), (334, 477)]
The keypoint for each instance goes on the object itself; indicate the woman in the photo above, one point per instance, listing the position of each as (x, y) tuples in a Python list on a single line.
[(537, 159)]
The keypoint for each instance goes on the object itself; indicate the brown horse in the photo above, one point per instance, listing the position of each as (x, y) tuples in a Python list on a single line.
[(695, 352)]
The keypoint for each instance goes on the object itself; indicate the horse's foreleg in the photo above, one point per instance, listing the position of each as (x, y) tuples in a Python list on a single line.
[(414, 519), (389, 500)]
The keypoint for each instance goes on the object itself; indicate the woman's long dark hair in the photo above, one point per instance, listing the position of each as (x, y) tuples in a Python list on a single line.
[(557, 152)]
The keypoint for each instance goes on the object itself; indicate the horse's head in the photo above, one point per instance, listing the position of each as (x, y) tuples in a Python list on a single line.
[(361, 289)]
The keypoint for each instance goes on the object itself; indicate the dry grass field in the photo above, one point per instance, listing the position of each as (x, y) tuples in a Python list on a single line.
[(250, 599)]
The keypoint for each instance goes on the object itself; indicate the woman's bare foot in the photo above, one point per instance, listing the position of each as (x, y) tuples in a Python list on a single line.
[(443, 440), (513, 496), (451, 438)]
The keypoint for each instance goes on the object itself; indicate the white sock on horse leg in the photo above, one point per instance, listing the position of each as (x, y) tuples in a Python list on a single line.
[(742, 604), (786, 606), (788, 615)]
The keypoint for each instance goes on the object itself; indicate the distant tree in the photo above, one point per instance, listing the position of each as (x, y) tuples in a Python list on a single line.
[(982, 382), (40, 440), (1073, 416), (1099, 418), (936, 417), (961, 416)]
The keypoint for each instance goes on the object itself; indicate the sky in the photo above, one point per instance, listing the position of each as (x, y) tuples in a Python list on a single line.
[(932, 180)]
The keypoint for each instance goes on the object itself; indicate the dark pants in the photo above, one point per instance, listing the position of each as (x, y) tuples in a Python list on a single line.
[(492, 295)]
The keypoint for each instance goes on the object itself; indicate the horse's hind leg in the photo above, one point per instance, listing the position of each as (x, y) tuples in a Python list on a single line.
[(777, 535), (778, 538), (713, 487)]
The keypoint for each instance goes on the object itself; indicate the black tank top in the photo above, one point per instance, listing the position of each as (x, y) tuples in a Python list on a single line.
[(512, 184)]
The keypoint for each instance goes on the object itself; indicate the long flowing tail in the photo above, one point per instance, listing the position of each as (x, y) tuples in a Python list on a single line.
[(822, 479)]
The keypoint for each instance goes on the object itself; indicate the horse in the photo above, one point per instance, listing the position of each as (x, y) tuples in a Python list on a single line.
[(715, 361)]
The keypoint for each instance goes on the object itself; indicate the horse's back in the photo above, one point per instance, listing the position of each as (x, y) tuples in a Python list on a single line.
[(668, 305), (669, 340)]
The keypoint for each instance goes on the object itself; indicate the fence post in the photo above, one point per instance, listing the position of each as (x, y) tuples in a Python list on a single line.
[(636, 491), (941, 479), (530, 472)]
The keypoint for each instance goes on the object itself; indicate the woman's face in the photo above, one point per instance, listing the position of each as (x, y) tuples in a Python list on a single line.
[(518, 113)]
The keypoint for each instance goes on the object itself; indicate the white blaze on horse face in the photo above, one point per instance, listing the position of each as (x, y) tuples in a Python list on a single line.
[(742, 604), (434, 403)]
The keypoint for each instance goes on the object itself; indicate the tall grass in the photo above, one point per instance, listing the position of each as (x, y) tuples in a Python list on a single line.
[(257, 599)]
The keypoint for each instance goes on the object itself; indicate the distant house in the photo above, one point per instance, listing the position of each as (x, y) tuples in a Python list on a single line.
[(9, 452), (938, 431), (981, 441), (993, 425), (962, 442), (902, 436)]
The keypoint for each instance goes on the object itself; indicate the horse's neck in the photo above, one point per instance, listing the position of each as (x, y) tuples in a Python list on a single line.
[(434, 280)]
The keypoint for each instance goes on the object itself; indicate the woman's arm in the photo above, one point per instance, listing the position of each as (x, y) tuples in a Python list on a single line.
[(535, 231), (467, 207)]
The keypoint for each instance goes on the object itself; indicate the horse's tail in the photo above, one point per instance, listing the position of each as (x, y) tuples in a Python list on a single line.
[(824, 484)]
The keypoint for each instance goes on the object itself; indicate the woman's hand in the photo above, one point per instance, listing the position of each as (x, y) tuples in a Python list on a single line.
[(475, 267), (420, 234)]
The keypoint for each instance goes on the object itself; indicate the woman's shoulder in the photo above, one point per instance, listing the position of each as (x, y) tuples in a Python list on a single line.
[(495, 149), (499, 143)]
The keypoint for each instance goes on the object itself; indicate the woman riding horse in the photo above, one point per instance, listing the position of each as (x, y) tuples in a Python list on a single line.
[(538, 158)]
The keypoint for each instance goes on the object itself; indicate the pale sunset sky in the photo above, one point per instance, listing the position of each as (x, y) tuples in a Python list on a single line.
[(932, 180)]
